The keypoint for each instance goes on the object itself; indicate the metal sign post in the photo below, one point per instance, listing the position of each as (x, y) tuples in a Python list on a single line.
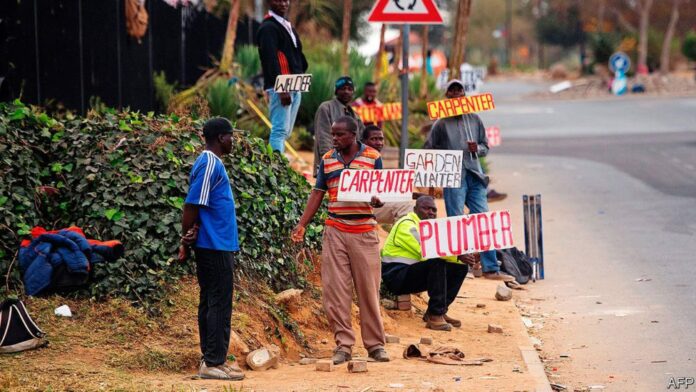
[(403, 145)]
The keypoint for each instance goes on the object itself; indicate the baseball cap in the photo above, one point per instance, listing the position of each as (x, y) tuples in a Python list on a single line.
[(218, 126), (453, 82), (344, 81)]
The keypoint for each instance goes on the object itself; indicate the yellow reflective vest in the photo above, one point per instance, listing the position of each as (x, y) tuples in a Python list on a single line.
[(403, 244)]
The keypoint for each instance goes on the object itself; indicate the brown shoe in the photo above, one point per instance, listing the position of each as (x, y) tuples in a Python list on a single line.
[(493, 196), (379, 355), (437, 323), (340, 356), (498, 276), (455, 323)]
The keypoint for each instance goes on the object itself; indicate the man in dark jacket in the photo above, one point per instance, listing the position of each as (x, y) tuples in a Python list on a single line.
[(280, 51)]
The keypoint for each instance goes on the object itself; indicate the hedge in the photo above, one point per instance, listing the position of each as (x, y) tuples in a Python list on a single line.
[(124, 175)]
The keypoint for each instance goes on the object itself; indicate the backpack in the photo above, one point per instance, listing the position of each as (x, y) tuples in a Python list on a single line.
[(515, 263), (18, 332)]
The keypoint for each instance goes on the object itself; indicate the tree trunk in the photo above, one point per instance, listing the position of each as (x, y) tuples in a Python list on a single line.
[(424, 66), (380, 54), (230, 37), (645, 6), (294, 11), (398, 51), (345, 37), (667, 44), (460, 32)]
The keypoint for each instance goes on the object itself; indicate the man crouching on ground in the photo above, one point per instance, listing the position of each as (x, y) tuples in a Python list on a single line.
[(350, 247), (210, 226), (404, 271)]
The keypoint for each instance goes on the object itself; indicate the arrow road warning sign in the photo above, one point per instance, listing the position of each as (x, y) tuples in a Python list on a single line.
[(405, 12)]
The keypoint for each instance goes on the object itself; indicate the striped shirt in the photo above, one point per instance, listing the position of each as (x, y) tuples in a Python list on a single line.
[(351, 217)]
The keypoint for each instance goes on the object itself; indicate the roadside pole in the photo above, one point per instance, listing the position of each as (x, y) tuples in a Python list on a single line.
[(405, 38)]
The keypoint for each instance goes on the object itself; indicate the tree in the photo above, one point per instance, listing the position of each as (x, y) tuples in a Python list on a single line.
[(380, 55), (669, 34), (461, 29), (424, 67), (345, 36), (644, 7), (230, 36)]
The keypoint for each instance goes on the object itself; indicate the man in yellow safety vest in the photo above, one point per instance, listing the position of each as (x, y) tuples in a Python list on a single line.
[(404, 271)]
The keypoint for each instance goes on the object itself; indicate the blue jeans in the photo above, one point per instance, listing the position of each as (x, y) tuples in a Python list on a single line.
[(472, 193), (282, 119)]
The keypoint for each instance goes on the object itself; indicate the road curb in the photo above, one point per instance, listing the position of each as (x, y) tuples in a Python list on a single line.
[(535, 368)]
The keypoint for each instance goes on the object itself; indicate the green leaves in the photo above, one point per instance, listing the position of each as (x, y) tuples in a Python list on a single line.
[(133, 190)]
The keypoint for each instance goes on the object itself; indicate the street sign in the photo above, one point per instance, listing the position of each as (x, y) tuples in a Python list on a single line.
[(493, 136), (619, 61), (405, 12)]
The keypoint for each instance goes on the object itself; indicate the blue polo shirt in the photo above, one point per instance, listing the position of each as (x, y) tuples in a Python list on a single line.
[(210, 189)]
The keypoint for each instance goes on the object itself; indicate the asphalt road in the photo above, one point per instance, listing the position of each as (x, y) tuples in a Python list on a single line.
[(618, 180)]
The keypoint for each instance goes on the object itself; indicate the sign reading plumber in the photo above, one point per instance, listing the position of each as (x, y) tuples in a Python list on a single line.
[(458, 235), (436, 168), (388, 185)]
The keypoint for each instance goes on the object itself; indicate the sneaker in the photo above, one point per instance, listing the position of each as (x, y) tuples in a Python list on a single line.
[(233, 369), (219, 372), (498, 276), (379, 355), (437, 323), (340, 357), (455, 323)]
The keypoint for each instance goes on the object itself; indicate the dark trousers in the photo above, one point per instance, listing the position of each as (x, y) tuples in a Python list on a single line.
[(215, 270), (442, 280)]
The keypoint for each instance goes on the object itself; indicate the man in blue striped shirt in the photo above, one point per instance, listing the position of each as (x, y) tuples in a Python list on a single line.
[(209, 225)]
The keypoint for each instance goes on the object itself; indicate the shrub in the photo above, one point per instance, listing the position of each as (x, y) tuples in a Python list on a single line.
[(247, 56), (223, 99), (124, 176), (689, 46)]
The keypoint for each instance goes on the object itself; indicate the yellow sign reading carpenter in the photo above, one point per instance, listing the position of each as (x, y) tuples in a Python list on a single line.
[(458, 106)]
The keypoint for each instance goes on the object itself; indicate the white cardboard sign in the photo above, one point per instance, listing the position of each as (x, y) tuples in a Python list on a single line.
[(458, 235), (388, 185), (293, 83), (436, 168)]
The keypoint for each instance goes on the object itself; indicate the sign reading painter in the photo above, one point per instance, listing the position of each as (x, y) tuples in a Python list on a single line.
[(379, 113), (458, 106), (388, 185), (293, 83), (458, 235), (436, 168)]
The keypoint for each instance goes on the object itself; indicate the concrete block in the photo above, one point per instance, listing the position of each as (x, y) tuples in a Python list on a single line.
[(494, 328), (325, 365), (357, 366), (392, 339), (426, 340)]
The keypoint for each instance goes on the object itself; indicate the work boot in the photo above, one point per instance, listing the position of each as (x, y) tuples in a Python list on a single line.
[(455, 323), (498, 276), (493, 196), (340, 357), (379, 355), (437, 323)]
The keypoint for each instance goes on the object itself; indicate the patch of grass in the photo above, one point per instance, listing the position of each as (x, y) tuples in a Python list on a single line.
[(155, 359)]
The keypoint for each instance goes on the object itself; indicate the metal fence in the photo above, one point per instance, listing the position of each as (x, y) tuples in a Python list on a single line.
[(67, 52)]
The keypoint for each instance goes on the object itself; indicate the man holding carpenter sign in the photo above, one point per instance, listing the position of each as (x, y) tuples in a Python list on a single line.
[(467, 133), (350, 246)]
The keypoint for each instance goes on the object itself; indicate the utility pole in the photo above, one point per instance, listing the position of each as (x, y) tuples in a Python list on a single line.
[(508, 32)]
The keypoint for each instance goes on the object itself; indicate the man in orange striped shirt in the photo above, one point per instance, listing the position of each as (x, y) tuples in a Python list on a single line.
[(350, 247)]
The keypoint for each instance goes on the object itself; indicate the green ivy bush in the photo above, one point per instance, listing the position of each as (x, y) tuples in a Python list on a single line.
[(124, 175)]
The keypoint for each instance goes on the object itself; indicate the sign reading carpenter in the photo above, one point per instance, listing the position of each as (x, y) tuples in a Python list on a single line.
[(375, 113), (293, 83), (388, 185), (458, 235), (436, 168), (458, 106)]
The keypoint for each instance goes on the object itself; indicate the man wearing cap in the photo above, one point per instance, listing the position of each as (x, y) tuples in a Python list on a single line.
[(466, 133), (350, 246), (328, 112), (209, 224), (280, 51)]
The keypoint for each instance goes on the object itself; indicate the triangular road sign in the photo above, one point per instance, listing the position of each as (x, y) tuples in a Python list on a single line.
[(405, 12)]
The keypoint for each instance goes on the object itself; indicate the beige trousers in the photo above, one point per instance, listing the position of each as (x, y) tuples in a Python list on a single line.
[(347, 259)]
